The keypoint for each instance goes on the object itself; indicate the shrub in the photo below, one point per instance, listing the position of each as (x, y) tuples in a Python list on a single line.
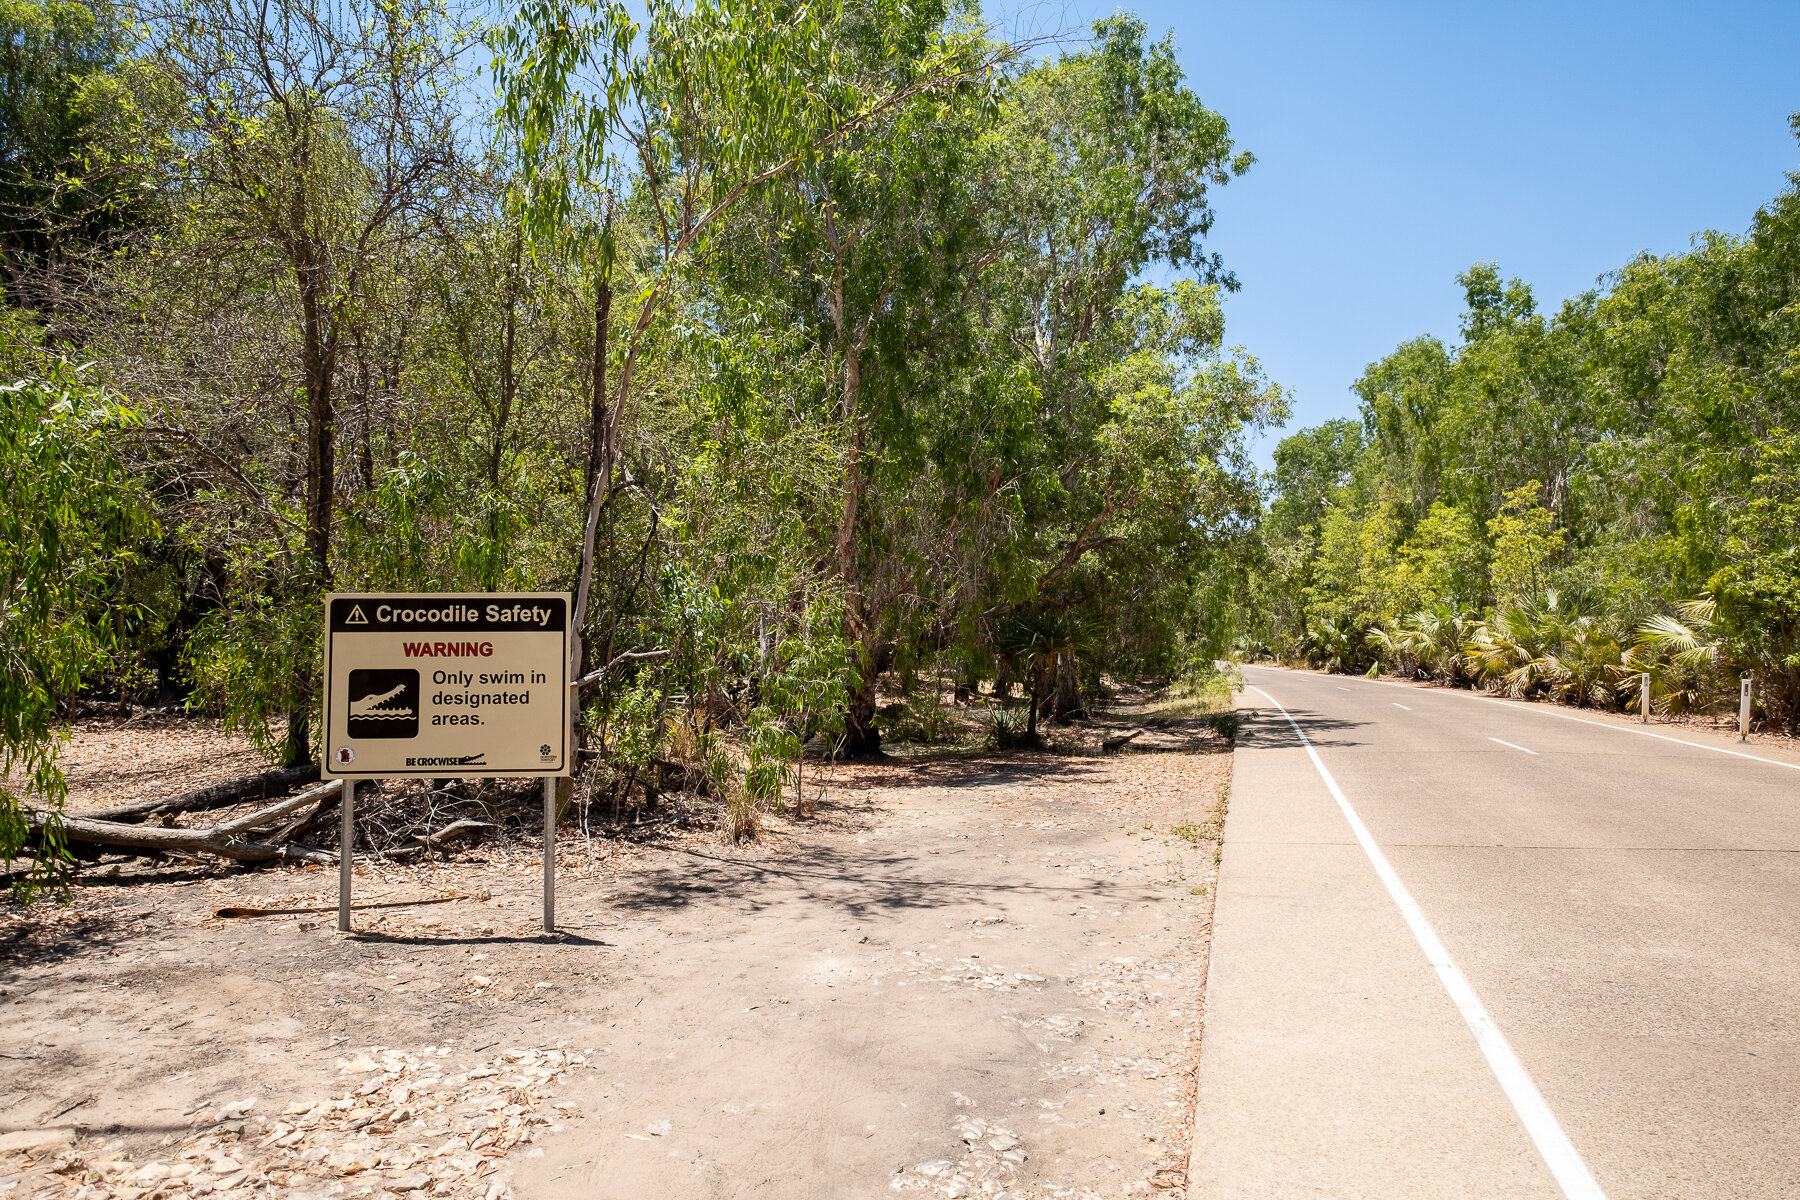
[(1007, 729)]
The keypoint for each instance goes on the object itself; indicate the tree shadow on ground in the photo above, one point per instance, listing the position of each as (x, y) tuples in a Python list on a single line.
[(560, 938), (48, 936), (983, 768), (1272, 731), (862, 885)]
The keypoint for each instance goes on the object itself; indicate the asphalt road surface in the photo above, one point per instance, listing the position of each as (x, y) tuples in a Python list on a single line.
[(1563, 960)]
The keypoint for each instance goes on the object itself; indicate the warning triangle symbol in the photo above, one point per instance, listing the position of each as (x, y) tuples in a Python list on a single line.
[(356, 616)]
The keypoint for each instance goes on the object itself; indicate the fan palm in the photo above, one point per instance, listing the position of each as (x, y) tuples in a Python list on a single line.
[(1336, 645), (1558, 645), (1682, 654)]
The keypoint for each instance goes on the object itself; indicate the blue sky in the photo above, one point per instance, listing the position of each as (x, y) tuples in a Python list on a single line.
[(1399, 143)]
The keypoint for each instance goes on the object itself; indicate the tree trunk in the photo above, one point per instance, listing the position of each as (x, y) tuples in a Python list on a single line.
[(1031, 733), (861, 737), (1068, 690), (318, 360), (296, 749), (599, 479), (318, 363), (968, 683), (508, 380), (598, 449)]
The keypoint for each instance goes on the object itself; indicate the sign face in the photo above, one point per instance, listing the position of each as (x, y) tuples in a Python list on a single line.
[(447, 685)]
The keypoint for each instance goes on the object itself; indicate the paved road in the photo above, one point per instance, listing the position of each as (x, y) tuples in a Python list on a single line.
[(1625, 910)]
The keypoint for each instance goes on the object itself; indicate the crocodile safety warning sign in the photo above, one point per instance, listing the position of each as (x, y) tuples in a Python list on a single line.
[(446, 685)]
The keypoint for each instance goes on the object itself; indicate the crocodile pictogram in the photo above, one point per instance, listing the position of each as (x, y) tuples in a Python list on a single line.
[(369, 707)]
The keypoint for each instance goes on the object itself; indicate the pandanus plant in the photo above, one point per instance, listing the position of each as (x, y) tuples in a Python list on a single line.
[(1046, 641)]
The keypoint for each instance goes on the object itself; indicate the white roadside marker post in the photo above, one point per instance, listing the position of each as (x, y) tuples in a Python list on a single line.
[(1644, 698), (549, 854), (1744, 709), (346, 844)]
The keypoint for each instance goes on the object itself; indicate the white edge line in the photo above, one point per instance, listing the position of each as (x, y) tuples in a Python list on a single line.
[(1533, 753), (1553, 1145), (1549, 711)]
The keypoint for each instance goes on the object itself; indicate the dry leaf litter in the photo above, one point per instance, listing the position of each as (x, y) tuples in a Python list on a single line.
[(406, 1124)]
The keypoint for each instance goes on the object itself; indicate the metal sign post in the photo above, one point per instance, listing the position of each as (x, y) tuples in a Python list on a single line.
[(467, 685), (346, 848), (549, 855), (1744, 709), (1644, 698)]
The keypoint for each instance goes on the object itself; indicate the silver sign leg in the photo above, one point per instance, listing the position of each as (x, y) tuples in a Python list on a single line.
[(549, 855), (346, 844)]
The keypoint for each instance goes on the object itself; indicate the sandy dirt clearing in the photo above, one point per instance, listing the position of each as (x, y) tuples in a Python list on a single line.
[(972, 976)]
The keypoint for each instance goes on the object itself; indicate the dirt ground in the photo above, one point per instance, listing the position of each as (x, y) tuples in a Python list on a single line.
[(974, 975)]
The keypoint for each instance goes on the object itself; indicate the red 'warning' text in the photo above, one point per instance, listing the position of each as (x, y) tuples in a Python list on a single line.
[(449, 649)]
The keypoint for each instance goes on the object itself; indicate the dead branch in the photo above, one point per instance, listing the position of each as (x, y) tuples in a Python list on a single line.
[(456, 831), (220, 795), (634, 656), (223, 839), (299, 827)]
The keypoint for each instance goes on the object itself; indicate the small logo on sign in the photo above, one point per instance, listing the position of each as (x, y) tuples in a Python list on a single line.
[(545, 752), (356, 616), (345, 756)]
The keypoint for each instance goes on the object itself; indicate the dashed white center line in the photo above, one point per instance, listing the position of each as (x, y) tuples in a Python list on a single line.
[(1533, 753), (1342, 688), (1407, 707)]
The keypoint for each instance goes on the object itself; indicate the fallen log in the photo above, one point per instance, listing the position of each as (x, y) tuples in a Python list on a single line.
[(219, 795), (224, 840), (297, 829)]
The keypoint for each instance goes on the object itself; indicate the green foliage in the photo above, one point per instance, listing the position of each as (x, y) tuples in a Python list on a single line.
[(1445, 560), (1526, 545), (77, 144), (1430, 644), (1758, 588), (1337, 645), (70, 518), (256, 657), (1006, 729), (1684, 655), (1356, 576), (1629, 448), (807, 345), (1559, 646)]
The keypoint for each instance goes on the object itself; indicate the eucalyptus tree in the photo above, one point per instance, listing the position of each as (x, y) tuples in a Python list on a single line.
[(70, 518), (319, 137), (79, 145), (674, 124), (315, 145), (870, 249), (1130, 466)]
